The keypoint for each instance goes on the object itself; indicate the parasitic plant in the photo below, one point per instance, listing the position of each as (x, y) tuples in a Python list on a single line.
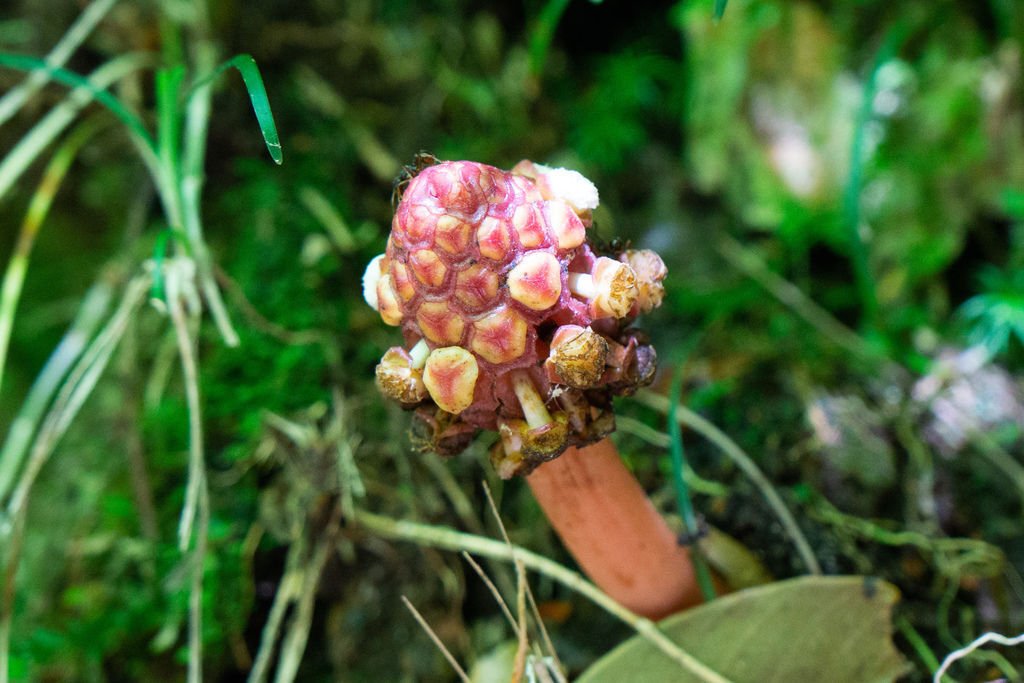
[(514, 323)]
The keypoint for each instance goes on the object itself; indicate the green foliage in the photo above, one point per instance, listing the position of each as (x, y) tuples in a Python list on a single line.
[(997, 315), (773, 151)]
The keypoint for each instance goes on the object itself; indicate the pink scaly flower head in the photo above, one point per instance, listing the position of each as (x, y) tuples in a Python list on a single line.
[(512, 322)]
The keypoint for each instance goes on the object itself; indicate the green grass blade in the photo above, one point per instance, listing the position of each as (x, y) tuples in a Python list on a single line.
[(543, 33), (246, 66), (70, 78), (32, 143), (720, 8), (13, 100), (21, 430), (39, 207), (683, 501), (168, 89)]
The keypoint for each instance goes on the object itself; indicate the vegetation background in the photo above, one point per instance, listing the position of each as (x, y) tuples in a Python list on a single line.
[(187, 398)]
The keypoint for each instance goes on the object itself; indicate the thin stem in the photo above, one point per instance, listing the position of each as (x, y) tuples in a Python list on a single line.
[(694, 481), (998, 457), (790, 295), (683, 501), (918, 643), (744, 462), (463, 676), (13, 100), (197, 120), (19, 436), (7, 591), (77, 387), (298, 633), (38, 209), (195, 599), (287, 590), (543, 33), (186, 352), (31, 145), (450, 539)]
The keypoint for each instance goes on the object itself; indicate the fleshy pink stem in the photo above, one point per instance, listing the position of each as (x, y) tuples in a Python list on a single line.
[(613, 530)]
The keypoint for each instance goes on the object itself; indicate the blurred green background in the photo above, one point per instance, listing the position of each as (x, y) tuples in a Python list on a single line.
[(837, 188)]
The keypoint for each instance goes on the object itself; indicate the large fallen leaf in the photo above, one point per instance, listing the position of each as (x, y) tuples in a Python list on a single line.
[(814, 628)]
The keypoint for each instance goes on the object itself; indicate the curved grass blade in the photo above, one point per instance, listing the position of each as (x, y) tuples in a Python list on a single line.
[(720, 8), (29, 147), (246, 66), (17, 96), (70, 78)]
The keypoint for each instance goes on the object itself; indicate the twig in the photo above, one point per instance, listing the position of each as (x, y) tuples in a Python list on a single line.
[(713, 434), (437, 641), (450, 539), (983, 639)]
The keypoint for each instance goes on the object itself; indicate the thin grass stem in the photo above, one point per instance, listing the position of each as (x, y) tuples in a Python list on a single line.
[(16, 97), (289, 588), (31, 145), (176, 280), (791, 296), (450, 539), (76, 388), (19, 435), (463, 676), (195, 597), (694, 481), (716, 436), (294, 644), (38, 208), (683, 501)]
